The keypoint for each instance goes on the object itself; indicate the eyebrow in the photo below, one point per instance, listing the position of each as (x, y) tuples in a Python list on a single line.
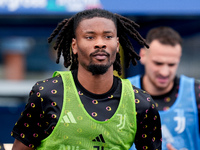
[(156, 61), (92, 32)]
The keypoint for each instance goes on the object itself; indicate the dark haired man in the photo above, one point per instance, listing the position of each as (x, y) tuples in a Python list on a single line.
[(88, 108), (175, 96)]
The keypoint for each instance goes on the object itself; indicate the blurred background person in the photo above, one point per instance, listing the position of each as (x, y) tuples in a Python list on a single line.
[(176, 97)]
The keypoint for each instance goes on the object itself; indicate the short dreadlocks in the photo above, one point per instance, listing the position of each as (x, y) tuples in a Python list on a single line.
[(66, 32)]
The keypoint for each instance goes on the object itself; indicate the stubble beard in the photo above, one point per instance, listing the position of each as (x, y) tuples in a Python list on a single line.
[(97, 69)]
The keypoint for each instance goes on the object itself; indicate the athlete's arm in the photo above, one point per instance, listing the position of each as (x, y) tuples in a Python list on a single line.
[(34, 124), (20, 146), (26, 125)]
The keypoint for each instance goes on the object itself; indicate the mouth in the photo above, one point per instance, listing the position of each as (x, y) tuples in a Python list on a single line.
[(163, 80), (100, 55)]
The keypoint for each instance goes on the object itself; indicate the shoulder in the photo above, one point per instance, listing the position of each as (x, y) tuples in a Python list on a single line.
[(48, 83), (197, 83), (134, 78), (45, 91), (197, 91), (142, 96), (48, 88), (144, 103)]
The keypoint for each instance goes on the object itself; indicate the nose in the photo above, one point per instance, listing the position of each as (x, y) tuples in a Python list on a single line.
[(100, 44), (164, 71)]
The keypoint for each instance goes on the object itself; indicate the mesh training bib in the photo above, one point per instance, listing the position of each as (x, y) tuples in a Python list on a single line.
[(180, 122), (77, 130)]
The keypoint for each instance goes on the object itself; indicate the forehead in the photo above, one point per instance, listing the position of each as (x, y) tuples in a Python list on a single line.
[(96, 23), (164, 53)]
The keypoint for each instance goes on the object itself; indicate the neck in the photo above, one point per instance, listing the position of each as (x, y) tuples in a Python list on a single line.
[(97, 84)]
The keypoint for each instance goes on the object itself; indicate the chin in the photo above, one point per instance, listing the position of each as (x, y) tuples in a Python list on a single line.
[(162, 86)]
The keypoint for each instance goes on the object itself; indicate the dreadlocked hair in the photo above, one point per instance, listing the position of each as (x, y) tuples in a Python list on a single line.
[(65, 32)]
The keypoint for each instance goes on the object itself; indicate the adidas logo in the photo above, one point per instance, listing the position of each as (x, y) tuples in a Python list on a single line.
[(68, 118), (99, 138)]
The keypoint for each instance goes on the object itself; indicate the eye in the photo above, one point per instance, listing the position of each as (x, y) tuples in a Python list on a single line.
[(158, 64), (171, 65), (108, 37), (89, 37)]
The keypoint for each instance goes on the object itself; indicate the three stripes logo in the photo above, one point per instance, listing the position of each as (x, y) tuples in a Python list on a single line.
[(99, 138), (68, 118)]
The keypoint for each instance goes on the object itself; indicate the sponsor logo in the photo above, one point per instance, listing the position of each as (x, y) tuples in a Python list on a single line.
[(99, 138), (68, 118)]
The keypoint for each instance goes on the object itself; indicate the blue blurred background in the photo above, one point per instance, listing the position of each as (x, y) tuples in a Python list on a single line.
[(26, 57)]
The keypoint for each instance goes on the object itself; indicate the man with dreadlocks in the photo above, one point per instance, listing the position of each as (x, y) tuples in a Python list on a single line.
[(88, 108)]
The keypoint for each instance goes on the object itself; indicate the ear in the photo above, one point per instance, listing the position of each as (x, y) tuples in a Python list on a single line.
[(74, 46), (143, 53), (118, 45)]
